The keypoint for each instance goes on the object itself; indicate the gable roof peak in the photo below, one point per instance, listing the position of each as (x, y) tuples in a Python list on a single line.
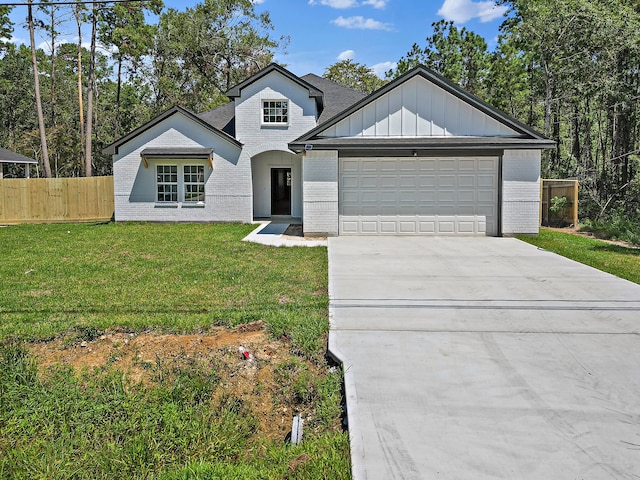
[(317, 94), (113, 148), (440, 81)]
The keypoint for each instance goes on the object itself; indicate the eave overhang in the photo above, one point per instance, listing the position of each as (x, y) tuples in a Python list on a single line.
[(113, 148), (421, 143), (316, 94)]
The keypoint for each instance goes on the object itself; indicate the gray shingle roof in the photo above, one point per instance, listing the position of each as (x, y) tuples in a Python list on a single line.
[(336, 97), (7, 156), (222, 117)]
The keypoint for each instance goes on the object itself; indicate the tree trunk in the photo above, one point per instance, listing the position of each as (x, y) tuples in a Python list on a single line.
[(53, 67), (80, 102), (90, 92), (46, 167), (118, 90)]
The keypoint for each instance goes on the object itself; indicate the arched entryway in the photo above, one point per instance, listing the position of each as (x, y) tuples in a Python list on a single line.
[(277, 185)]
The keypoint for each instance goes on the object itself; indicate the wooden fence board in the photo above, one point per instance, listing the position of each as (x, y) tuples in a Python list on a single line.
[(559, 188), (53, 200)]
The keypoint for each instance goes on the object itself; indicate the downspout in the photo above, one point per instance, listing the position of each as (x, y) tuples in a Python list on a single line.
[(499, 212)]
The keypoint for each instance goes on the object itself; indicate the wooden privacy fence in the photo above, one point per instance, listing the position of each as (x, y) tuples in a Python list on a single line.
[(558, 188), (52, 200)]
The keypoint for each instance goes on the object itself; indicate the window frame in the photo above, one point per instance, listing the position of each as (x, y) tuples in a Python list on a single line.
[(183, 180), (200, 182), (265, 112), (163, 183)]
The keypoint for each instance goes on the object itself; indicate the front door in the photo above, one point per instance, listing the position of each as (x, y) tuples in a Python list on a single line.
[(280, 191)]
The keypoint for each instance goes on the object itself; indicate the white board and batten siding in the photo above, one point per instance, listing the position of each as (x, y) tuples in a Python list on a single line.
[(419, 196), (418, 108)]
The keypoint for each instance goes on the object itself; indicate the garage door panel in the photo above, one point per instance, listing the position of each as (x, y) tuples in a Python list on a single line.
[(418, 196), (486, 181), (406, 182), (467, 181), (428, 227), (446, 181), (467, 165), (408, 166), (350, 181), (387, 181), (487, 197), (427, 181), (486, 165), (369, 166), (388, 165), (350, 166), (368, 181), (447, 165), (426, 164)]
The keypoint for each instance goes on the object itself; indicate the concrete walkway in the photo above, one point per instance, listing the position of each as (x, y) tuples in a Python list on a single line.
[(484, 358), (272, 233)]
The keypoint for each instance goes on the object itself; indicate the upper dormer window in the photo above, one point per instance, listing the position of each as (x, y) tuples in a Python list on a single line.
[(275, 112)]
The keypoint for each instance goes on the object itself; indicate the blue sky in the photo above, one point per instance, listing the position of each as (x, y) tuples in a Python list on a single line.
[(372, 32)]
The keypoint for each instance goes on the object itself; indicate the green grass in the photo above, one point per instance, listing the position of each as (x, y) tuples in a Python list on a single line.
[(99, 425), (621, 261), (79, 280), (176, 278)]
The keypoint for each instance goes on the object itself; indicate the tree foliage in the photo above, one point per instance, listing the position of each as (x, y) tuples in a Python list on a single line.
[(582, 60), (353, 75), (458, 54), (189, 58), (6, 27), (202, 52), (569, 68)]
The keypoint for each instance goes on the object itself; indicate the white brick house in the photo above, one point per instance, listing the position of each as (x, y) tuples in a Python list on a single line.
[(419, 156)]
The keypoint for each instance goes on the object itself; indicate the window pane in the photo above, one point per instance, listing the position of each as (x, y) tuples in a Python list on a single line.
[(167, 183), (194, 183), (275, 111)]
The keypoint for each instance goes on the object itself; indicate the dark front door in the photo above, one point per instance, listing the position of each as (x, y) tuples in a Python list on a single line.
[(280, 191)]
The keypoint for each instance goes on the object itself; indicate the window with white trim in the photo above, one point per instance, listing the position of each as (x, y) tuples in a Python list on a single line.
[(193, 183), (167, 182), (275, 112), (185, 184)]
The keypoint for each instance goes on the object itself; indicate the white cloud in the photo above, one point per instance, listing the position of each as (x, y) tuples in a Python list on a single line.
[(335, 3), (360, 23), (381, 68), (380, 4), (257, 2), (461, 11), (46, 46), (347, 55)]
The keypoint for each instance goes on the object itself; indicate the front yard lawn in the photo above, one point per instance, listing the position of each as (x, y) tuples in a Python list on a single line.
[(176, 278), (618, 260), (116, 360)]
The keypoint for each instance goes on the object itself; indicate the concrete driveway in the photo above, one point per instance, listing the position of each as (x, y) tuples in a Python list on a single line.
[(484, 358)]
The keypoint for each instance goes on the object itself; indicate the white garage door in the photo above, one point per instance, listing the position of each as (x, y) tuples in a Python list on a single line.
[(419, 196)]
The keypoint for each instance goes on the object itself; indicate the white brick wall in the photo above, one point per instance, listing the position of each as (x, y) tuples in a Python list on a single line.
[(227, 187), (520, 191), (320, 192)]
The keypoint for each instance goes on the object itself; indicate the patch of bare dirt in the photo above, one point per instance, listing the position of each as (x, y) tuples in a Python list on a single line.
[(250, 377)]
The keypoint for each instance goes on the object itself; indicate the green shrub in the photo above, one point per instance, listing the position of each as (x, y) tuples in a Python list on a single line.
[(618, 226)]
